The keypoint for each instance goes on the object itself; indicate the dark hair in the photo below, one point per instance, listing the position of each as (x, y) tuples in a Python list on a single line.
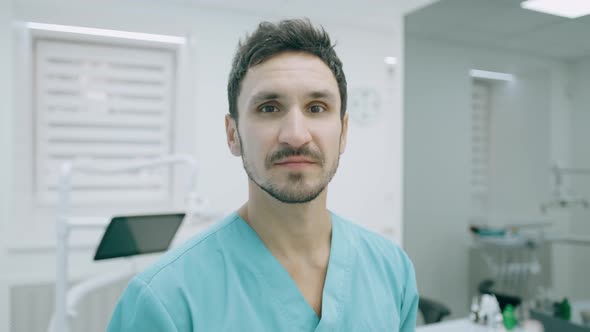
[(271, 39)]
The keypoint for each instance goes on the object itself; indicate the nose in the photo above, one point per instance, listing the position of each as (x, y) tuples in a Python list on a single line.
[(294, 129)]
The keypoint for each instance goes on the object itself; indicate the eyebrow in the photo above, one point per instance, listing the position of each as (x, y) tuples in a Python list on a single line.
[(267, 95), (322, 94), (264, 96)]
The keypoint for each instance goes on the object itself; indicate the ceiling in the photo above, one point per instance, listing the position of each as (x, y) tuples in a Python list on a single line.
[(502, 24), (368, 13)]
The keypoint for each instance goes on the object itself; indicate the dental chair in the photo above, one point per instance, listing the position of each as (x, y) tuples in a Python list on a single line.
[(432, 311)]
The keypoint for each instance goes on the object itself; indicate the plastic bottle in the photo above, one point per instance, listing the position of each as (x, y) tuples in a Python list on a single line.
[(509, 317)]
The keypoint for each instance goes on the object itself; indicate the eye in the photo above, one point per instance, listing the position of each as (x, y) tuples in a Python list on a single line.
[(317, 109), (268, 109)]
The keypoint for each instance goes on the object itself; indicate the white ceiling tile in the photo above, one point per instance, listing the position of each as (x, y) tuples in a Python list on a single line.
[(516, 21), (502, 24), (567, 39)]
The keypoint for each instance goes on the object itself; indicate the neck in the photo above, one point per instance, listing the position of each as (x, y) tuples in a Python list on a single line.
[(289, 230)]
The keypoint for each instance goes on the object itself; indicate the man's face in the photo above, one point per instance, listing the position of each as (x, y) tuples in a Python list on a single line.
[(289, 132)]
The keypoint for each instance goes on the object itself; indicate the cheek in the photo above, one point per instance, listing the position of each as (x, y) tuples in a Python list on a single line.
[(329, 142), (255, 145), (333, 134)]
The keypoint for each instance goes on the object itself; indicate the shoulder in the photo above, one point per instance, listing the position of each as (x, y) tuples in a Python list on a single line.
[(199, 250), (157, 298), (384, 263), (376, 246)]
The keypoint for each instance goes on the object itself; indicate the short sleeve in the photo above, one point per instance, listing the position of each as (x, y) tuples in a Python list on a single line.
[(409, 308), (140, 310)]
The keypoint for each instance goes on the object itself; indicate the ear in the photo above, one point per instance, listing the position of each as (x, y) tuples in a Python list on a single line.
[(344, 133), (231, 131)]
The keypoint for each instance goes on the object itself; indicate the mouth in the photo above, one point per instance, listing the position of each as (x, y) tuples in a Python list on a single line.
[(295, 162)]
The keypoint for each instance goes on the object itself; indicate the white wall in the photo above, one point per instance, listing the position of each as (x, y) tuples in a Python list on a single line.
[(436, 139), (5, 147), (521, 147), (437, 155), (580, 260), (215, 35)]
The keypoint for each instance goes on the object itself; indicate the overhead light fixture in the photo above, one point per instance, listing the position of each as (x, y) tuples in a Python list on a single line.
[(491, 75), (565, 8), (107, 33)]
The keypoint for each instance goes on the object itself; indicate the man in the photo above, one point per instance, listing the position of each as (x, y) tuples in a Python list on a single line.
[(282, 261)]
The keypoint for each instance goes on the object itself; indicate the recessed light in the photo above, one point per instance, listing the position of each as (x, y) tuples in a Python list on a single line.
[(565, 8), (389, 60), (491, 75)]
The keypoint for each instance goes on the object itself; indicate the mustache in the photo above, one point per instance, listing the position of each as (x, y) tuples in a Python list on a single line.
[(304, 151)]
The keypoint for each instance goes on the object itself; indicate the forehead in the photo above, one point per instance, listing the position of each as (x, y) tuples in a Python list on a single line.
[(288, 73)]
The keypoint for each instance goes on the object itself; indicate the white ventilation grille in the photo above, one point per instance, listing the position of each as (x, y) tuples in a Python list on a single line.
[(105, 104), (480, 143)]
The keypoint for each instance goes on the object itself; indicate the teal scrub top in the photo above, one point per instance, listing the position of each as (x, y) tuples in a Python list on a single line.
[(226, 279)]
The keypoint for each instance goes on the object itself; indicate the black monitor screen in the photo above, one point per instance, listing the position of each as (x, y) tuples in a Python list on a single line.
[(136, 235)]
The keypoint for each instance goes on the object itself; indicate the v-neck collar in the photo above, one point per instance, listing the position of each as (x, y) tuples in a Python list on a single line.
[(289, 297)]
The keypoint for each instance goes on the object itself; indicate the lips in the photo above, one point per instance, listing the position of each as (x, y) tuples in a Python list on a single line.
[(295, 160)]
